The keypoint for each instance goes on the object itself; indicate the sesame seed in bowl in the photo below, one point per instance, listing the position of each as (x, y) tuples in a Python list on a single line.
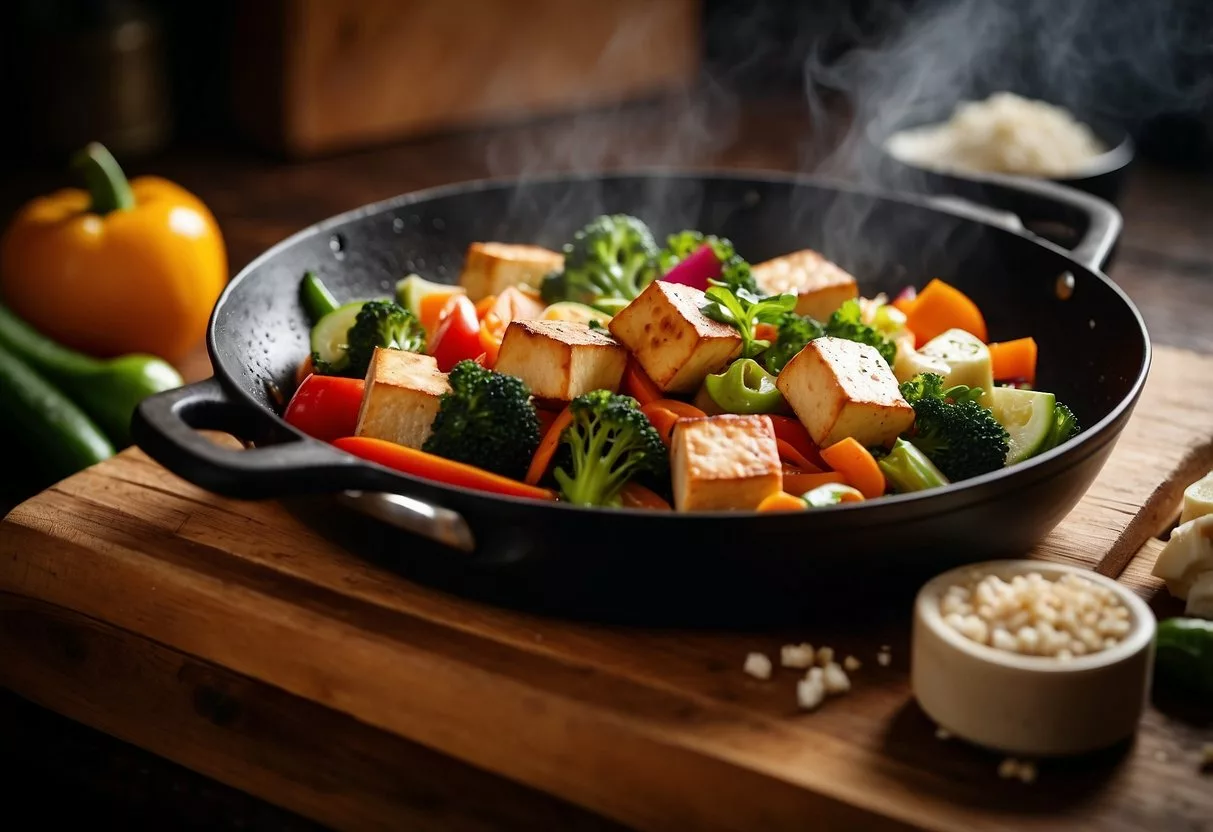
[(1032, 658)]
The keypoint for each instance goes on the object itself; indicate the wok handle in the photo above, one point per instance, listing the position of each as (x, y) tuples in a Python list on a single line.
[(165, 427), (1097, 221)]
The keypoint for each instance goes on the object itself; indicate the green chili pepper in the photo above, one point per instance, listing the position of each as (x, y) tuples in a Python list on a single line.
[(831, 494), (745, 388), (1185, 653)]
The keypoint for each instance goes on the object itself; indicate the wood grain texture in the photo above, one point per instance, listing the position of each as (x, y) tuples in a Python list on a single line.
[(363, 71), (655, 729)]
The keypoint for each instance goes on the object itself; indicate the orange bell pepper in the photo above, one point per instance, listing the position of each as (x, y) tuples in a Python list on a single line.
[(124, 267)]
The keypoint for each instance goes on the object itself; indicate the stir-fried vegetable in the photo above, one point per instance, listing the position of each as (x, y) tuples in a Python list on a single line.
[(610, 443), (908, 469), (744, 388), (745, 310), (486, 420), (956, 433), (606, 265), (731, 270), (794, 332)]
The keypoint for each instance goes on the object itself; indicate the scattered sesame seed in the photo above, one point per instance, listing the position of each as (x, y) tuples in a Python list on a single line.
[(758, 666), (1008, 768), (1027, 772), (850, 664), (942, 733), (884, 658)]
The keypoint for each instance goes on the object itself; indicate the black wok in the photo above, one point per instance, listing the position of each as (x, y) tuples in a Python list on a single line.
[(1093, 344)]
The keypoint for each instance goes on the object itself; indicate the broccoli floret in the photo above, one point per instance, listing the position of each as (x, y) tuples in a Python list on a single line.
[(606, 265), (610, 442), (795, 331), (908, 469), (734, 271), (1065, 426), (953, 429), (487, 420), (847, 322), (380, 323)]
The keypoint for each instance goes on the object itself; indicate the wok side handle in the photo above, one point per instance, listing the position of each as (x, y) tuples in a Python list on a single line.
[(166, 427), (1097, 221)]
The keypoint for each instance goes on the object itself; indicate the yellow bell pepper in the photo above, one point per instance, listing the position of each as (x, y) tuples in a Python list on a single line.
[(124, 267)]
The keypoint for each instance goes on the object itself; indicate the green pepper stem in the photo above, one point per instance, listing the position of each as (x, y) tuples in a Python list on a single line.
[(107, 185)]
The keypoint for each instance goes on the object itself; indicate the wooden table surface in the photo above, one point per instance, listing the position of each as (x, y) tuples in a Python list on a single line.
[(1165, 263)]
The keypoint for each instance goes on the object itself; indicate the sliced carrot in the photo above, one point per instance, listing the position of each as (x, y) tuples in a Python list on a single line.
[(793, 432), (940, 307), (662, 420), (1013, 360), (306, 368), (782, 501), (635, 495), (431, 467), (485, 304), (766, 332), (801, 482), (857, 465), (682, 409), (547, 447), (638, 385), (491, 333)]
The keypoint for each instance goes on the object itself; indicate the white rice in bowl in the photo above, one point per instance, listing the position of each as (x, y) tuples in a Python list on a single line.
[(1003, 134)]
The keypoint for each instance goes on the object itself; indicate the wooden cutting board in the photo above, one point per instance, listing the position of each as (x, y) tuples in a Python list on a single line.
[(237, 639)]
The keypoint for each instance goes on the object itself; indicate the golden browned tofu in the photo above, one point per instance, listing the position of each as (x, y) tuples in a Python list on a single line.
[(673, 341), (560, 360), (403, 391), (490, 268), (725, 462), (841, 388), (819, 285)]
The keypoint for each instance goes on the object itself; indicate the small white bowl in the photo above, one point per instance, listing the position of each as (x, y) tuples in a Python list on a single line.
[(1030, 705)]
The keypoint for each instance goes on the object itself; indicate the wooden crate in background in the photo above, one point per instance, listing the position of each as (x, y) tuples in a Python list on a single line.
[(317, 76)]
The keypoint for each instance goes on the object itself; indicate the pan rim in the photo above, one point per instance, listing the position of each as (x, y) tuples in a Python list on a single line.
[(1036, 469)]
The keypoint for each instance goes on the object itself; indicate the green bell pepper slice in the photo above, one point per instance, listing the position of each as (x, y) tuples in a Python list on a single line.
[(745, 388)]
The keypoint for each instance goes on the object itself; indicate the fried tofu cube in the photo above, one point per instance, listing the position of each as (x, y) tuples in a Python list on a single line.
[(403, 392), (724, 462), (819, 285), (841, 388), (674, 342), (560, 360), (491, 268)]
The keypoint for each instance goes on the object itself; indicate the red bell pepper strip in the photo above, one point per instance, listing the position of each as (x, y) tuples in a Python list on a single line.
[(794, 434), (432, 467), (326, 407), (457, 334)]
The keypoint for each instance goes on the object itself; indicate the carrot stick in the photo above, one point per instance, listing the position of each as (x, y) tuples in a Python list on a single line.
[(680, 409), (940, 307), (857, 465), (638, 385), (431, 467), (782, 501), (800, 483), (793, 432), (546, 417), (1012, 360), (662, 420), (547, 447), (635, 495)]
